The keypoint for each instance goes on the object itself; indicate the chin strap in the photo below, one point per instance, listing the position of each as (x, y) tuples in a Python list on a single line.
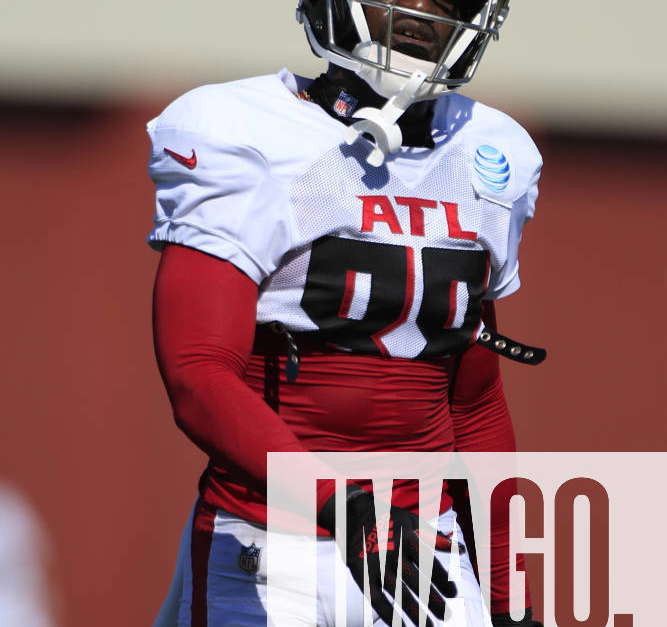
[(381, 125)]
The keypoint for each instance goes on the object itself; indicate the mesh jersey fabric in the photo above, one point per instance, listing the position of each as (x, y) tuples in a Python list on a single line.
[(274, 182)]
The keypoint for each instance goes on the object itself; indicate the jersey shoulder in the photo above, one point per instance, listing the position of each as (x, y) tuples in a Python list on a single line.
[(495, 141), (227, 111), (216, 191), (261, 114)]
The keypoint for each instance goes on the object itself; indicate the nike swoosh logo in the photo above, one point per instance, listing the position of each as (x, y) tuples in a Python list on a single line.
[(189, 163)]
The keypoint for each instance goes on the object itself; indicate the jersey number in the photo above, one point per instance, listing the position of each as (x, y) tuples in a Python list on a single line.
[(339, 266)]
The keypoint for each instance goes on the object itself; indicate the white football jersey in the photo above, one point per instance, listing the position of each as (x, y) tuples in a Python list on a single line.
[(392, 260)]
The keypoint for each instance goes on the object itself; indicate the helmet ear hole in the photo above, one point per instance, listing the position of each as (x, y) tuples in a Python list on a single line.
[(341, 12), (346, 32), (317, 13), (468, 9)]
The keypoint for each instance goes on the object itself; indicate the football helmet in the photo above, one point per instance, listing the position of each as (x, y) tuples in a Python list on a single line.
[(338, 31)]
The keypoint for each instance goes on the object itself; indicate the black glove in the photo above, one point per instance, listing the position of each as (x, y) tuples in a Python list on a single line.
[(504, 620), (403, 529)]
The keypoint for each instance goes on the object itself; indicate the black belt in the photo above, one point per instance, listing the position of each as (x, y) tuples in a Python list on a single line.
[(274, 339), (516, 351)]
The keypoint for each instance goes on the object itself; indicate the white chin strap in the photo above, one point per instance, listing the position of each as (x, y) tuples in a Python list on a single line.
[(381, 124)]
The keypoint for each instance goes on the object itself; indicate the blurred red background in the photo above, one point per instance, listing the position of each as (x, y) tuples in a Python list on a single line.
[(88, 434)]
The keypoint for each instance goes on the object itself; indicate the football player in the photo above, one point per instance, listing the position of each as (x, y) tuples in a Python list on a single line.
[(331, 251)]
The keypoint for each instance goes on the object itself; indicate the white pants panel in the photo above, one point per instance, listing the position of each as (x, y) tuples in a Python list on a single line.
[(238, 599)]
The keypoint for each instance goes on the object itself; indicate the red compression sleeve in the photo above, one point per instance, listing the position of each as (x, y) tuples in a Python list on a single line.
[(204, 312)]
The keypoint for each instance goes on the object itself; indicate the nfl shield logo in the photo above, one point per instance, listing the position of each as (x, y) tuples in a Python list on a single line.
[(249, 559), (345, 105)]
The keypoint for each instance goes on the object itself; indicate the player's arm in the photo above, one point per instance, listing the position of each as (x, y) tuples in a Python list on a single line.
[(222, 224), (222, 228), (204, 322)]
